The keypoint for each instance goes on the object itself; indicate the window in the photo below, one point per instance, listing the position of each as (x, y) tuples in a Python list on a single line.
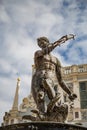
[(81, 69), (67, 71), (83, 86), (83, 94), (76, 114)]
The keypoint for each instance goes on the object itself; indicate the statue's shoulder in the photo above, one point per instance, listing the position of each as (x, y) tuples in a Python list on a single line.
[(38, 53)]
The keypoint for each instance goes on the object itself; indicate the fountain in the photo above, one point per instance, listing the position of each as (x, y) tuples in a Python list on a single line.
[(51, 112)]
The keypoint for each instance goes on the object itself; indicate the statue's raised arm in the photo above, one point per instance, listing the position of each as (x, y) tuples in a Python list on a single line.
[(63, 40), (47, 47)]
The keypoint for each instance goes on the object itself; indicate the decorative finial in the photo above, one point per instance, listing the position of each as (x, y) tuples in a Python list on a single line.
[(18, 79)]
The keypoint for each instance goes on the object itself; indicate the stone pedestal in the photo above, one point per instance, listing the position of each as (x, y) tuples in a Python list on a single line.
[(42, 126)]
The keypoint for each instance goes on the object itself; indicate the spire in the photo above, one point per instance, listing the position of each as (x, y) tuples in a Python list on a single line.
[(15, 103)]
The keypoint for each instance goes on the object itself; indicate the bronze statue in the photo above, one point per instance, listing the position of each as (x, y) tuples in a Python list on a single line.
[(48, 75), (45, 82)]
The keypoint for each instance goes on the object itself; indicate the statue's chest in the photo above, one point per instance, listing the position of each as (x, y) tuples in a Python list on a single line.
[(49, 58)]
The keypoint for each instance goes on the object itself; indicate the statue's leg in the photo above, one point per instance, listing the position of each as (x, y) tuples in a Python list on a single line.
[(49, 88)]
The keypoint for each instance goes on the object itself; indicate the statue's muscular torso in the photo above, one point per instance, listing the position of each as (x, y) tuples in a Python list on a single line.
[(45, 61), (44, 79)]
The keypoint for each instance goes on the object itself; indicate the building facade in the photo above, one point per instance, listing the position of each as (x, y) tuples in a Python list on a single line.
[(75, 77)]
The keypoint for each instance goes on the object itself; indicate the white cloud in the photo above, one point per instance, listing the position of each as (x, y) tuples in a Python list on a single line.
[(3, 15), (6, 67), (77, 53)]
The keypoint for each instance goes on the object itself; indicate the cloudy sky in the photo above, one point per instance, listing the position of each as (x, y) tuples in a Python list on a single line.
[(21, 23)]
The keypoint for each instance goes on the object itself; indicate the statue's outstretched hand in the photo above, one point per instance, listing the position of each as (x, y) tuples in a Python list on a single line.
[(73, 96)]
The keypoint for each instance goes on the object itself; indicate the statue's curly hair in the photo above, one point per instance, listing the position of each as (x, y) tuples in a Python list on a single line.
[(43, 38)]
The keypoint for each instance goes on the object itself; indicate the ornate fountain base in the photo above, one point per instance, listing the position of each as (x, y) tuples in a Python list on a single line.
[(42, 126)]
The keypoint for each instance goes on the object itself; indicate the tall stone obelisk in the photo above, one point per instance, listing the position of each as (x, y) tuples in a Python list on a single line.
[(15, 102)]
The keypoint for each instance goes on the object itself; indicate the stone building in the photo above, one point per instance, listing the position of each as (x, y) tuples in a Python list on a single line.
[(75, 77)]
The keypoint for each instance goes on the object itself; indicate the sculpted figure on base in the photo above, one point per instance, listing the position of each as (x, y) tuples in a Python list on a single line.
[(45, 82)]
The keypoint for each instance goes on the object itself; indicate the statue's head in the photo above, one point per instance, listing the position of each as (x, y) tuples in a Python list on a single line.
[(43, 42)]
